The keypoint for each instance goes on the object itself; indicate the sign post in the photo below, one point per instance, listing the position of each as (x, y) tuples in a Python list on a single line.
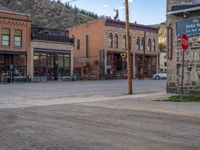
[(184, 44)]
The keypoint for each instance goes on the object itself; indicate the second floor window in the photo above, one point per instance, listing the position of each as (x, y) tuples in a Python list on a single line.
[(138, 43), (143, 44), (124, 41), (154, 45), (149, 44), (5, 37), (111, 40), (18, 38), (78, 44), (116, 41)]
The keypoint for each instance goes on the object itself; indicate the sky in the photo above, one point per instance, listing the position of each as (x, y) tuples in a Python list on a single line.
[(145, 12)]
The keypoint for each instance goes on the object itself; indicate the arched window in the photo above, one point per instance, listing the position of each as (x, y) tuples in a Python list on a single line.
[(154, 45), (116, 40), (143, 43), (138, 43), (111, 40), (124, 41), (149, 44)]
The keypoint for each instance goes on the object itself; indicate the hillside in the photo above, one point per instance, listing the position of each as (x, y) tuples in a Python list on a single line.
[(48, 13)]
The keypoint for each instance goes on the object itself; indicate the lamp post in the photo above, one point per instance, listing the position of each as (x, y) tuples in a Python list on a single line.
[(129, 66)]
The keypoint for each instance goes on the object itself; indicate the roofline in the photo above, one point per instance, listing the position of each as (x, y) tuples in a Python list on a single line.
[(16, 13), (106, 21), (183, 11), (88, 22), (133, 26)]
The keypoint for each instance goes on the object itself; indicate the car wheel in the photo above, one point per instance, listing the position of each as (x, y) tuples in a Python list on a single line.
[(157, 78)]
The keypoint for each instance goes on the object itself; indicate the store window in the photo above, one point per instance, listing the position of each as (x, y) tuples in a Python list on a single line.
[(19, 66), (5, 37), (18, 38)]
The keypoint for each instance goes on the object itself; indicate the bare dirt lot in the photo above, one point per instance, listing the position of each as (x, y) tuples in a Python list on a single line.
[(81, 127)]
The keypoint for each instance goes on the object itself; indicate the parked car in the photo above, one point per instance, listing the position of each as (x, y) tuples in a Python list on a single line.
[(161, 75)]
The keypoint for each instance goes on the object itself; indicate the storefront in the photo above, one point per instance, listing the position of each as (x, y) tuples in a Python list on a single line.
[(51, 65), (13, 67), (116, 66), (145, 68)]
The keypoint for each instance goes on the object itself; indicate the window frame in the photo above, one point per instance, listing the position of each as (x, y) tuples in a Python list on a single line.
[(149, 44), (138, 43), (116, 40), (20, 36), (78, 44), (7, 35), (110, 37), (124, 41)]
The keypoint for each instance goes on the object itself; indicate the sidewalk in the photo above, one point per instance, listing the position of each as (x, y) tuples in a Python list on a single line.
[(152, 103)]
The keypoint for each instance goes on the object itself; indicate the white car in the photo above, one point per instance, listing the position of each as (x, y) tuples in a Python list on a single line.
[(158, 76)]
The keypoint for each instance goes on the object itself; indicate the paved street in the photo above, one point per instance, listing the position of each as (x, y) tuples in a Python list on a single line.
[(39, 94)]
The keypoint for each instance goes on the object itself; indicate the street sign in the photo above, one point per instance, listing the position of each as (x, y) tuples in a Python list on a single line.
[(184, 42)]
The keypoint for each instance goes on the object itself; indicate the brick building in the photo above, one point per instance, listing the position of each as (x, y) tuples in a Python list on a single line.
[(14, 46), (100, 49), (183, 18), (51, 53)]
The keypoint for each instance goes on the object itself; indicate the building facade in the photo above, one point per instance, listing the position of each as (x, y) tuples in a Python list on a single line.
[(100, 49), (14, 46), (51, 53), (183, 18)]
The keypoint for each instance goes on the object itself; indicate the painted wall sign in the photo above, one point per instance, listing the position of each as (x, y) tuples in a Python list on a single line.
[(188, 27)]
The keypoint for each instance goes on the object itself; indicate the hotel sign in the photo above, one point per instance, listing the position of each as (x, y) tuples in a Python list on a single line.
[(188, 27)]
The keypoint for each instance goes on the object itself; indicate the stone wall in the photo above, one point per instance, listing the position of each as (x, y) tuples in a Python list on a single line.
[(192, 55)]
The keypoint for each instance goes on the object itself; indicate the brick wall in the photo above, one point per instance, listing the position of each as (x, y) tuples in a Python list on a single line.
[(17, 21)]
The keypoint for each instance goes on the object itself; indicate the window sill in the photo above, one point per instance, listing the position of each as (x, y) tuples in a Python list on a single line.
[(17, 47), (5, 46)]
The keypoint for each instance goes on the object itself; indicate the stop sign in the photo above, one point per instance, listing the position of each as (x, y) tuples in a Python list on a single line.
[(184, 42)]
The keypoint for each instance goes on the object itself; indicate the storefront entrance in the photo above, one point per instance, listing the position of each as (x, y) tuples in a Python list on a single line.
[(51, 65), (116, 66), (12, 67)]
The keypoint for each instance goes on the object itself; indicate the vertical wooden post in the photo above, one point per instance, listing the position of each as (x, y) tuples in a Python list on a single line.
[(128, 50)]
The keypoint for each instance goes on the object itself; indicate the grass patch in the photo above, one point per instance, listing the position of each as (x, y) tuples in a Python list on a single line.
[(195, 97)]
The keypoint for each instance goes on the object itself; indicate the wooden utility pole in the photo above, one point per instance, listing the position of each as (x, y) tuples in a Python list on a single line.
[(129, 66)]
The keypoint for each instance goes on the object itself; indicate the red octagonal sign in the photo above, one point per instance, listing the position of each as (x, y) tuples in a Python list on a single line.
[(184, 42)]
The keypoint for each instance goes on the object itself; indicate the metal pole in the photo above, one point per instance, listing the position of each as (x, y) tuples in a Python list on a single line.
[(129, 66), (182, 79)]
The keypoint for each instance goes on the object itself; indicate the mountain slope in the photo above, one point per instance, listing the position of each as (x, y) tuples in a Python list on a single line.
[(48, 13)]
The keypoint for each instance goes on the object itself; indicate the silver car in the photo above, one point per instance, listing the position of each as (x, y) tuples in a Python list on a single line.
[(161, 75)]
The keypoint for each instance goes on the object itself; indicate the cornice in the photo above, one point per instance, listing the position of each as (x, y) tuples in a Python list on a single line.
[(133, 26)]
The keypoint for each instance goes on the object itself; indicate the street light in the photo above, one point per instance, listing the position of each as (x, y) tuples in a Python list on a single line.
[(129, 66)]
